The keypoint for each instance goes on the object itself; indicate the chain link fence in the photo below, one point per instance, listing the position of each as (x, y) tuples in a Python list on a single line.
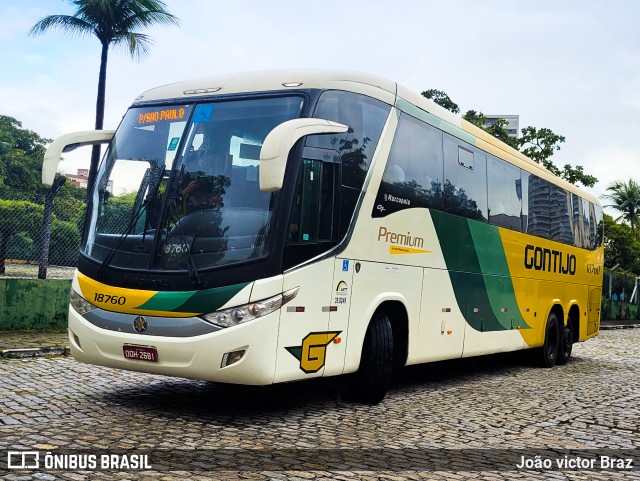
[(621, 299), (34, 243)]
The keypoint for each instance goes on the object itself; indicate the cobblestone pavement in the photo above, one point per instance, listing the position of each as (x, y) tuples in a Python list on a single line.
[(478, 415)]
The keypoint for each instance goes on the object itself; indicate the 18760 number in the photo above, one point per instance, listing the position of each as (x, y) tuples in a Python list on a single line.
[(108, 299)]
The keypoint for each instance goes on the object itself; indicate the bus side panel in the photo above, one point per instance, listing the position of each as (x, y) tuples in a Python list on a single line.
[(442, 324), (374, 284), (304, 337)]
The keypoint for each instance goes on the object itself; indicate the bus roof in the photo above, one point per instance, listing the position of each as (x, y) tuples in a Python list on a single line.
[(373, 86)]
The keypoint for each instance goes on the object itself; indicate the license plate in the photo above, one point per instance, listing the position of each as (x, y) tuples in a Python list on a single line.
[(140, 353)]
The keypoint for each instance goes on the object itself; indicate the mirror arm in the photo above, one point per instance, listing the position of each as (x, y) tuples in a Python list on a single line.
[(67, 143), (278, 143)]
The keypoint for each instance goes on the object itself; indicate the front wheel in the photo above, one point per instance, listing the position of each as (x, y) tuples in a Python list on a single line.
[(376, 364)]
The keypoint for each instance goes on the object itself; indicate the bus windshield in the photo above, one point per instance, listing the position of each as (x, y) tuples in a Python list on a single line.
[(210, 212)]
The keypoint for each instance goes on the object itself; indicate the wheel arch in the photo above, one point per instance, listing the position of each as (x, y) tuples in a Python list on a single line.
[(574, 318)]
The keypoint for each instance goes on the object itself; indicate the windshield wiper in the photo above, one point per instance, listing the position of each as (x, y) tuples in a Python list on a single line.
[(191, 267), (135, 217)]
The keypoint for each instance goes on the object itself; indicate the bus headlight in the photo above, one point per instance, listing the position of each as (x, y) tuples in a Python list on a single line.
[(248, 312), (80, 304)]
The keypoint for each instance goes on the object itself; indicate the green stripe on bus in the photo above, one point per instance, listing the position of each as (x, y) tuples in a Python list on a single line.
[(497, 278), (479, 273), (207, 300)]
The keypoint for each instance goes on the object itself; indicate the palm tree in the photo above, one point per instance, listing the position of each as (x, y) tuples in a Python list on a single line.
[(626, 199), (113, 22)]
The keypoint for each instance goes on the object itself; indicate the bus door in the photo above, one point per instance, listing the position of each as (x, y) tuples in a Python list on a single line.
[(305, 336)]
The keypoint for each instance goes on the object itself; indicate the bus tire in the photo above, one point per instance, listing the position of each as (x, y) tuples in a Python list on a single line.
[(376, 363), (547, 355), (566, 344)]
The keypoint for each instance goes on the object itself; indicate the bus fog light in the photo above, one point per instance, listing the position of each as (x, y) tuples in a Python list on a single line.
[(231, 358)]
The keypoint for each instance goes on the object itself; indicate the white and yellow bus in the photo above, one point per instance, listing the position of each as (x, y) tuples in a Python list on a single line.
[(272, 227)]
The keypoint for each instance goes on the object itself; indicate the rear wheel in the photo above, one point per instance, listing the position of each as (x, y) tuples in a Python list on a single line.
[(376, 364), (566, 344), (547, 355)]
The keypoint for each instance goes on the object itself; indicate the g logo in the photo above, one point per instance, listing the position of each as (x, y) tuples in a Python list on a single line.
[(313, 351)]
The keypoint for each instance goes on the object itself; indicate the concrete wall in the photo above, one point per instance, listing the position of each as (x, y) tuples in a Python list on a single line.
[(34, 304)]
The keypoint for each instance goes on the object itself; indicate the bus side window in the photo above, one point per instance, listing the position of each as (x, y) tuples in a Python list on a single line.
[(586, 224), (505, 194), (465, 179), (560, 208), (365, 117), (539, 197), (414, 171)]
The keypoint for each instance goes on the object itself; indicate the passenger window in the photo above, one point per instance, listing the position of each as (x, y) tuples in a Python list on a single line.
[(586, 224), (561, 224), (465, 179), (505, 194), (599, 225), (414, 171), (578, 235), (539, 193)]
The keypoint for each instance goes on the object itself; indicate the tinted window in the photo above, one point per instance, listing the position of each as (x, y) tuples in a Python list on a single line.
[(465, 179), (599, 225), (586, 224), (560, 209), (538, 221), (505, 194), (365, 118), (413, 175)]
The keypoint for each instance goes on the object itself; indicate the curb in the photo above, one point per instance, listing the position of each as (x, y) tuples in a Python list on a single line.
[(619, 326), (26, 353)]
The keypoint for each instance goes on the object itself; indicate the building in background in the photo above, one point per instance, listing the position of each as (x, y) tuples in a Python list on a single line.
[(80, 180), (513, 123)]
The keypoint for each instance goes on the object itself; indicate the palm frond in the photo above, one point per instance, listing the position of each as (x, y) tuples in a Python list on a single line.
[(66, 23)]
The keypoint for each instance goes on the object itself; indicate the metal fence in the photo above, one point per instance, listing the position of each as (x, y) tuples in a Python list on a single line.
[(30, 249), (621, 299)]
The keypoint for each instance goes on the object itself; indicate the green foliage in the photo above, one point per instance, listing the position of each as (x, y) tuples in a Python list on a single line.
[(476, 118), (621, 246), (537, 144), (111, 22), (625, 197), (20, 216), (442, 99), (64, 243), (116, 213)]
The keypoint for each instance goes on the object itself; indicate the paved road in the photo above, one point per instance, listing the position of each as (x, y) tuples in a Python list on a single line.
[(470, 419)]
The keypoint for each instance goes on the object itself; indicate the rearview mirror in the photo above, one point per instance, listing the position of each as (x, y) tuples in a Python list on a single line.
[(278, 143), (67, 143)]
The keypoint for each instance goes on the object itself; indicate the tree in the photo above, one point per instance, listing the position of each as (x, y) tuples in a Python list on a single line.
[(537, 144), (621, 246), (113, 22), (625, 196), (442, 99), (17, 217)]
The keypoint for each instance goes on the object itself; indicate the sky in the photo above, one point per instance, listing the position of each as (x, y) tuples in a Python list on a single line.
[(569, 65)]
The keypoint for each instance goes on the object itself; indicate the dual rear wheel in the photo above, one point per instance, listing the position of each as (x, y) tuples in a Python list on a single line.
[(558, 343)]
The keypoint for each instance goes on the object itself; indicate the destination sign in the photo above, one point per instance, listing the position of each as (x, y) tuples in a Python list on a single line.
[(160, 115)]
